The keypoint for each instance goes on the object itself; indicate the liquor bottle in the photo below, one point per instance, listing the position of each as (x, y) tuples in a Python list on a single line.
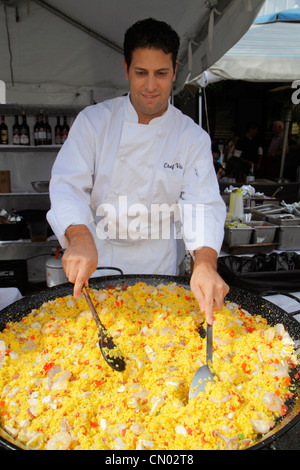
[(57, 132), (36, 131), (42, 129), (48, 131), (25, 133), (16, 132), (3, 132), (64, 130)]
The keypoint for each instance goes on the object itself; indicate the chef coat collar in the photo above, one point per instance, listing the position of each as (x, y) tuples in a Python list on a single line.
[(132, 115)]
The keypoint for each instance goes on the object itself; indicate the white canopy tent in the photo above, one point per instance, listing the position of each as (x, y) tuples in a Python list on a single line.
[(268, 52), (70, 51)]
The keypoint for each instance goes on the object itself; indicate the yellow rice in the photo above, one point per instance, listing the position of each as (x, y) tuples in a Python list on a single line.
[(57, 392)]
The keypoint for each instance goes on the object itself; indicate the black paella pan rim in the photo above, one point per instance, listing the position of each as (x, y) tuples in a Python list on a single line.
[(250, 302)]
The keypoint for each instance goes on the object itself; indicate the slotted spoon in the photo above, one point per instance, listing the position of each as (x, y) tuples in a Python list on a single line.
[(205, 373), (110, 351)]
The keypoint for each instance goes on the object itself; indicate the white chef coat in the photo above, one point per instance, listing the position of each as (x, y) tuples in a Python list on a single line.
[(110, 160)]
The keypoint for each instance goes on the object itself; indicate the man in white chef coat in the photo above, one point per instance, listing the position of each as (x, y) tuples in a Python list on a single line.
[(135, 174)]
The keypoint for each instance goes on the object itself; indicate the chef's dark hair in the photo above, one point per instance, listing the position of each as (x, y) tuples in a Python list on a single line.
[(151, 34)]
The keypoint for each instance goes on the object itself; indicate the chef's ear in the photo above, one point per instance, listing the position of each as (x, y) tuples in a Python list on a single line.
[(126, 69), (175, 71)]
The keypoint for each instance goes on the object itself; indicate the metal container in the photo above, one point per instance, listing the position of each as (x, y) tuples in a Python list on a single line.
[(288, 237), (55, 274), (284, 219), (267, 207), (265, 211), (263, 232), (237, 236), (40, 186)]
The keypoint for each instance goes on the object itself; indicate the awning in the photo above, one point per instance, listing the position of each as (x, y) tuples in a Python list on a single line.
[(70, 51), (269, 51)]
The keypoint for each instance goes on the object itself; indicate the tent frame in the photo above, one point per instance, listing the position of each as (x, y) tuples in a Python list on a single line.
[(79, 25)]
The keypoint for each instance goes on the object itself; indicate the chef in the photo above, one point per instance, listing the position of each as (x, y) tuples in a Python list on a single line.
[(135, 178)]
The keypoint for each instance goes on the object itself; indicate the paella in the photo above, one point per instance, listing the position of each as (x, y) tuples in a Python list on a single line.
[(57, 392)]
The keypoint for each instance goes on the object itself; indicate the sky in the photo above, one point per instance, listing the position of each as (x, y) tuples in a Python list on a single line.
[(272, 6)]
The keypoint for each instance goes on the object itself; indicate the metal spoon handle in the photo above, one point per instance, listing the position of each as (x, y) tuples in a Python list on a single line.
[(92, 308), (209, 345)]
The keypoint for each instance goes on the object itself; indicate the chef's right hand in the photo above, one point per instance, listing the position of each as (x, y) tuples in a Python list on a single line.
[(80, 258)]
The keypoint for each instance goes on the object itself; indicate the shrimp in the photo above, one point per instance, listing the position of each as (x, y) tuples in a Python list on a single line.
[(261, 426), (59, 441), (273, 402), (2, 353), (232, 306), (137, 428), (58, 383)]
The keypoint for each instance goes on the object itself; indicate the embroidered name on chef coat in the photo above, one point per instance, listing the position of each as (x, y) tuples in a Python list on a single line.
[(173, 166)]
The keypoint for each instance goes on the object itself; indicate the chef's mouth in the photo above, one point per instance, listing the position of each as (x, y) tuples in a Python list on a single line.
[(149, 97)]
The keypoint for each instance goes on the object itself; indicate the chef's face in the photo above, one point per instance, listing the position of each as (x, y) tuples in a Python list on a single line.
[(151, 75)]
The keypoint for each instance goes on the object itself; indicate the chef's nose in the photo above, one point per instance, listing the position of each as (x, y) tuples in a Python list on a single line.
[(150, 82)]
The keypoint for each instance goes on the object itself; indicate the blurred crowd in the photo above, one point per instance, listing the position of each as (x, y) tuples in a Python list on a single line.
[(244, 156)]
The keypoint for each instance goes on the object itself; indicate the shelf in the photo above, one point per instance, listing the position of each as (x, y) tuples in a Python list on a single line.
[(24, 193), (249, 249), (30, 148), (25, 249), (48, 110)]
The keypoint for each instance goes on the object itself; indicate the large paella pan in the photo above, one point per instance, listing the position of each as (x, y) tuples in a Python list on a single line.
[(251, 303)]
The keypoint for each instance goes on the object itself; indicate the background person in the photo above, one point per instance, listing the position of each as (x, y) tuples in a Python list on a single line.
[(249, 151), (274, 152), (220, 172)]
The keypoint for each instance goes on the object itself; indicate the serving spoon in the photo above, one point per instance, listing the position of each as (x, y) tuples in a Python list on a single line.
[(110, 351), (205, 373)]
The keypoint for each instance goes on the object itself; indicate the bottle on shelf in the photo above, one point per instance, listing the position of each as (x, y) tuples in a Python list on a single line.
[(25, 133), (57, 132), (36, 130), (3, 132), (16, 131), (42, 129), (48, 132), (65, 130)]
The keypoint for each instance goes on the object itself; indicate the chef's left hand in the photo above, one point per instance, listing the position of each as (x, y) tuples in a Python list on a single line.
[(206, 284)]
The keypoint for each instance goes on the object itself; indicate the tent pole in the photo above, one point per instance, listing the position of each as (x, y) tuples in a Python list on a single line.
[(200, 107), (78, 25), (288, 120)]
